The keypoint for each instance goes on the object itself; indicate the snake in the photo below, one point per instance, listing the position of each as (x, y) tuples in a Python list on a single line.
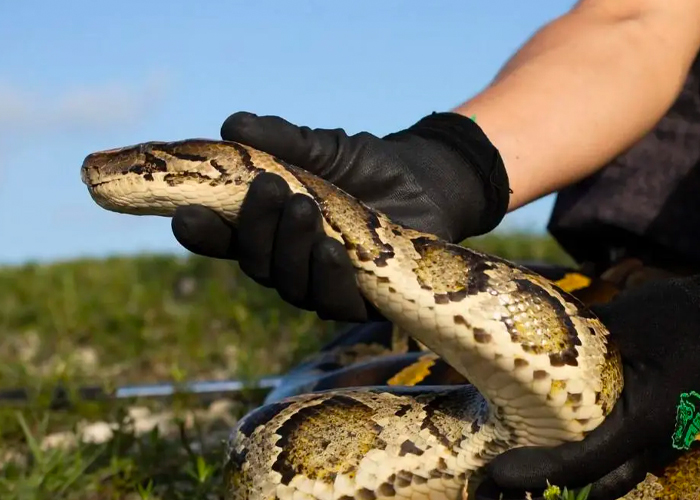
[(541, 366)]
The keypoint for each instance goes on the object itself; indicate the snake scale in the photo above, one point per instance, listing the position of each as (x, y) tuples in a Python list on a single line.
[(540, 365)]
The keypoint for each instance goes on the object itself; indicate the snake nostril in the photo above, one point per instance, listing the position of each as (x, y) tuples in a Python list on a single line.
[(84, 174)]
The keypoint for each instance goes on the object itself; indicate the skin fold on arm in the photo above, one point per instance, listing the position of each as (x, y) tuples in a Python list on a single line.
[(584, 88)]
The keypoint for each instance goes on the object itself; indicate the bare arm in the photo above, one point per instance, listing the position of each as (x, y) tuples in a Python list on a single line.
[(584, 88)]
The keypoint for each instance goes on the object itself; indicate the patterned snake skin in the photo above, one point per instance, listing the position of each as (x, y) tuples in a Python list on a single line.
[(540, 368)]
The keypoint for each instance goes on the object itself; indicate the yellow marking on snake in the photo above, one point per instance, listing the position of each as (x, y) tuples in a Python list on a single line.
[(415, 372), (542, 366)]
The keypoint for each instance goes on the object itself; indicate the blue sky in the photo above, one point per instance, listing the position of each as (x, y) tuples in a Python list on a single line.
[(79, 76)]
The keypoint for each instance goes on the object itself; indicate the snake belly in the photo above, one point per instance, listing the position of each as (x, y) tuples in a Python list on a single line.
[(540, 364)]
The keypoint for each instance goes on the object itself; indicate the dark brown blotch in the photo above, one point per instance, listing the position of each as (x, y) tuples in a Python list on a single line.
[(261, 416), (409, 446), (475, 427), (521, 363), (403, 478), (384, 257), (441, 298), (481, 336), (362, 254), (386, 490), (573, 398), (173, 149), (418, 479), (567, 357), (365, 494), (188, 156), (173, 179), (458, 295), (245, 158), (152, 164), (460, 320), (218, 167), (403, 410)]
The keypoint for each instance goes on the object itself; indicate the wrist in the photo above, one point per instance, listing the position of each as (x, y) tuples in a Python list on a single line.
[(463, 136)]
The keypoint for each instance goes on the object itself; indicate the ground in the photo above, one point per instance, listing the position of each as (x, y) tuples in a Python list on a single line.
[(145, 319)]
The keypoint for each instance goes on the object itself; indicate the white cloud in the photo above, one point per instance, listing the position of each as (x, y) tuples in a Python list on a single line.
[(104, 106)]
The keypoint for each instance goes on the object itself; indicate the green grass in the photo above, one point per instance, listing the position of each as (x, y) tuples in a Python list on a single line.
[(145, 319)]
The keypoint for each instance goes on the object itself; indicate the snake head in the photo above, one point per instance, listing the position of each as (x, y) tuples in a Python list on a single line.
[(153, 178), (144, 160)]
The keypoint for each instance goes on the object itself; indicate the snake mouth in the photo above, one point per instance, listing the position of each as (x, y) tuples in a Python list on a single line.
[(90, 181), (103, 167), (89, 173), (93, 185), (94, 176)]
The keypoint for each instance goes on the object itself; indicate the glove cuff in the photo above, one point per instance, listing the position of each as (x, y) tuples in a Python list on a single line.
[(465, 137)]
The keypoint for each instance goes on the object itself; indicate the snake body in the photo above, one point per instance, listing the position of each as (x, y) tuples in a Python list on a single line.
[(541, 368)]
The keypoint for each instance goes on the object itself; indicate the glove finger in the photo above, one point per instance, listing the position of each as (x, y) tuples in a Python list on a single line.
[(257, 224), (611, 486), (313, 150), (606, 448), (202, 231), (623, 479), (299, 228), (334, 290), (489, 490)]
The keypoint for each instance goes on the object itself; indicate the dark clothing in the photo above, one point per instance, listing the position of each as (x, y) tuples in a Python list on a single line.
[(646, 202)]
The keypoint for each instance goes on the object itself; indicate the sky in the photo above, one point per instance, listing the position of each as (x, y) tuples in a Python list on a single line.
[(78, 76)]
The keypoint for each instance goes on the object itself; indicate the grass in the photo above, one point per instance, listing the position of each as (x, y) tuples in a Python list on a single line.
[(136, 320)]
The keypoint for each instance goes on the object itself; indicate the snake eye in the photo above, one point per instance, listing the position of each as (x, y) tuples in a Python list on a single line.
[(135, 169)]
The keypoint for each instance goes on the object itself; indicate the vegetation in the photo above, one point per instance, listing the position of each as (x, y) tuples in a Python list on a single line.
[(145, 319)]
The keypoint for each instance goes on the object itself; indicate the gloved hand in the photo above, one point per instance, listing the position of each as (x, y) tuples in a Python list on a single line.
[(657, 329), (442, 175)]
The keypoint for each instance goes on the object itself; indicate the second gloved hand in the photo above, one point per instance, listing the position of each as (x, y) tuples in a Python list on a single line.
[(442, 176), (655, 327)]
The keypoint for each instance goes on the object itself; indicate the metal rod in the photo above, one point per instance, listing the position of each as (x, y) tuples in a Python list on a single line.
[(61, 398), (203, 387)]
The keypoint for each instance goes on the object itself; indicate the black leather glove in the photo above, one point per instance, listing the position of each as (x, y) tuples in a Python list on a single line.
[(657, 328), (442, 175)]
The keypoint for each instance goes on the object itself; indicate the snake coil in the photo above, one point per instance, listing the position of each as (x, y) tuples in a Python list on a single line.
[(541, 368)]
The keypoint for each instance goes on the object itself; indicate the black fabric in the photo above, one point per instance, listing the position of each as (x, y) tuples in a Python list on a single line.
[(441, 175), (646, 202), (655, 327), (466, 138)]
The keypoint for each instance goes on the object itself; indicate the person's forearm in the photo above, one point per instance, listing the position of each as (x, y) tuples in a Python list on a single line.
[(582, 90)]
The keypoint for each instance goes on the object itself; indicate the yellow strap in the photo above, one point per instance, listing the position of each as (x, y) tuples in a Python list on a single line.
[(573, 281)]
